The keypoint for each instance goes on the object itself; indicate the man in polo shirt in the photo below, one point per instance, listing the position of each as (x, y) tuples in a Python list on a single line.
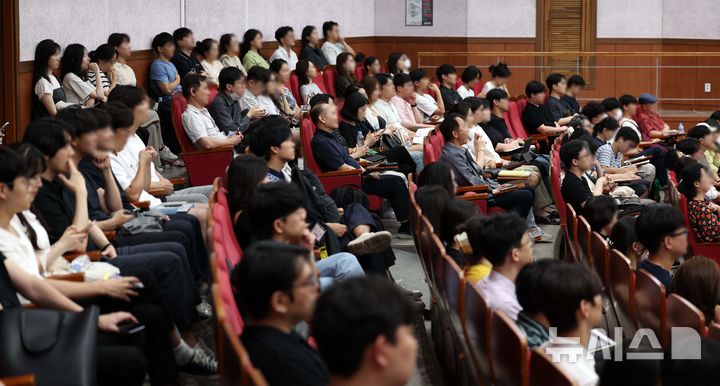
[(183, 59), (508, 252), (536, 117), (651, 125), (610, 156), (447, 76), (404, 101), (661, 229), (277, 286), (334, 43), (577, 159), (256, 91), (285, 37), (196, 119)]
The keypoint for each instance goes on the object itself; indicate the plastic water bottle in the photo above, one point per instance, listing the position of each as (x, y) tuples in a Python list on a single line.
[(681, 128), (360, 139)]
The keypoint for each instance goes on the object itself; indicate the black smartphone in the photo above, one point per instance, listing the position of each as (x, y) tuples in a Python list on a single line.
[(130, 327)]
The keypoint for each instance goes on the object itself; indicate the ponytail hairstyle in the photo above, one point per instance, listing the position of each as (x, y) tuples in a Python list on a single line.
[(500, 70), (204, 46), (690, 175), (71, 61), (43, 51), (225, 43), (248, 37), (105, 52)]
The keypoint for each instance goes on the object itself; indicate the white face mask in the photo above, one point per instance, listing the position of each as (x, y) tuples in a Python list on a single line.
[(618, 114), (407, 64), (235, 96)]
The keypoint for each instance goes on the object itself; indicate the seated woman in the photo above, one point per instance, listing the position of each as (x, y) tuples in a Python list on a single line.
[(244, 174), (345, 74), (624, 239), (456, 214), (500, 74), (438, 173), (288, 106), (372, 66), (602, 214), (306, 72), (698, 281), (230, 52), (104, 56), (470, 77), (209, 51), (694, 184), (250, 50), (477, 267), (354, 121), (398, 62), (433, 199), (75, 63), (49, 95)]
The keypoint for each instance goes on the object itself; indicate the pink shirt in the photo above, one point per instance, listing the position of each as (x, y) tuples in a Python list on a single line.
[(499, 292), (407, 117)]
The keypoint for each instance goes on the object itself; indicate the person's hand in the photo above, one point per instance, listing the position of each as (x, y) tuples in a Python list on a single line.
[(75, 182), (339, 229), (146, 155), (101, 160), (375, 175), (479, 142), (307, 240), (167, 186), (256, 112), (109, 252), (120, 217), (602, 181), (235, 139), (110, 322), (72, 239), (715, 207), (481, 95), (371, 138), (94, 67), (631, 169), (121, 288)]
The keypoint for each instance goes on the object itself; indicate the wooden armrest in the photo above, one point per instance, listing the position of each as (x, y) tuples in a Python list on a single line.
[(110, 235), (20, 380), (473, 197), (221, 149), (79, 276), (540, 137), (340, 173), (141, 204), (177, 181), (475, 188), (157, 192), (93, 255)]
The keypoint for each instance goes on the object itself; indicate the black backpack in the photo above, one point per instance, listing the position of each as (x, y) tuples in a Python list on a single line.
[(346, 195)]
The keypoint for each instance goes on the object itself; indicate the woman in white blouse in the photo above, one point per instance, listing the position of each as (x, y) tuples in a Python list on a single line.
[(230, 52), (470, 77), (500, 74), (306, 72), (75, 63), (49, 94), (209, 50)]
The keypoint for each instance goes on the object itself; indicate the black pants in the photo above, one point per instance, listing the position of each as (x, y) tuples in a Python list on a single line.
[(356, 214), (392, 188), (400, 154), (190, 226), (519, 201), (119, 364)]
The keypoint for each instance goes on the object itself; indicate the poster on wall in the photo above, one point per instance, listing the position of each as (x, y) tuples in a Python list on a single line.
[(419, 12)]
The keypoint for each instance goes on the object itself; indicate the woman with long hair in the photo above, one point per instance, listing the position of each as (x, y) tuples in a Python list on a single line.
[(209, 51), (123, 73), (245, 173), (250, 50), (283, 96), (398, 62), (104, 56), (230, 52), (704, 215), (49, 96), (345, 74), (306, 72), (74, 65), (310, 39)]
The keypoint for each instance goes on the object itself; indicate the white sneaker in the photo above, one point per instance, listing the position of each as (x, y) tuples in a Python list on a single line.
[(369, 243), (168, 157)]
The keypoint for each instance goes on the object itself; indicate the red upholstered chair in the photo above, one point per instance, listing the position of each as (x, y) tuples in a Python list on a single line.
[(583, 240), (543, 372), (329, 76), (510, 353), (225, 297), (429, 153), (711, 250), (477, 324), (360, 72), (555, 190), (456, 362), (682, 313), (572, 225), (202, 166), (295, 87), (515, 115), (319, 79), (621, 278), (510, 127), (651, 305)]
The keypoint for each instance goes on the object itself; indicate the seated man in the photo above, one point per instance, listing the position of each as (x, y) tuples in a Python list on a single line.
[(331, 155), (610, 157), (508, 251), (558, 108), (225, 109), (647, 118), (364, 329), (575, 84), (256, 92), (447, 76), (426, 104), (467, 172), (276, 288), (536, 117), (272, 140), (570, 297), (661, 229), (531, 320), (196, 119), (334, 44), (595, 112), (411, 117), (577, 160)]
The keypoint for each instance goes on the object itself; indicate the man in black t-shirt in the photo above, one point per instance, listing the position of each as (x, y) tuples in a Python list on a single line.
[(497, 129), (536, 117), (577, 160), (183, 59)]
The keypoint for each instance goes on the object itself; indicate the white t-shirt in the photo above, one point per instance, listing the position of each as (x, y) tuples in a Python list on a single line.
[(250, 100), (489, 150), (281, 53), (44, 86), (307, 91), (489, 85), (465, 92), (124, 74), (582, 370), (388, 111), (627, 122), (77, 91), (426, 104), (213, 70), (125, 166), (18, 249), (331, 51)]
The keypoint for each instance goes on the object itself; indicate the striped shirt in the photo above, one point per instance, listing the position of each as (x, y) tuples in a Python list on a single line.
[(607, 157), (103, 78)]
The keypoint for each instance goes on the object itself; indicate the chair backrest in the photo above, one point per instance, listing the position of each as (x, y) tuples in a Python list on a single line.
[(692, 240), (682, 313), (428, 151), (599, 254), (360, 72), (510, 126), (453, 289), (476, 322), (426, 240), (714, 331), (436, 253), (178, 104), (514, 114), (510, 353), (572, 225), (295, 88), (307, 131), (544, 372), (650, 304), (521, 102), (621, 279), (555, 190), (583, 239), (329, 76), (319, 79)]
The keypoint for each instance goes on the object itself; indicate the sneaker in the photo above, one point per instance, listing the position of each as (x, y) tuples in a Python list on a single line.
[(404, 231), (369, 243), (167, 157), (411, 293), (201, 364)]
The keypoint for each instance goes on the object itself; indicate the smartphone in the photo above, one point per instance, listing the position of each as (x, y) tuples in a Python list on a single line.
[(130, 327), (318, 232)]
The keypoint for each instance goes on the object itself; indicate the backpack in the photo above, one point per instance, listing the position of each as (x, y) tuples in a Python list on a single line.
[(346, 195)]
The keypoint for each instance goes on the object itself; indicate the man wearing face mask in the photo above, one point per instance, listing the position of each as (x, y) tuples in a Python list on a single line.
[(197, 121), (613, 108), (225, 109)]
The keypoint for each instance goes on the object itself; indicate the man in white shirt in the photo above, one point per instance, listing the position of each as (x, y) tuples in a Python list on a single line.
[(286, 39), (196, 119), (570, 294), (334, 43), (254, 96), (427, 105)]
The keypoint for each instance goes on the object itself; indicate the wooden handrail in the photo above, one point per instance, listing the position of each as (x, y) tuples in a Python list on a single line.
[(570, 53)]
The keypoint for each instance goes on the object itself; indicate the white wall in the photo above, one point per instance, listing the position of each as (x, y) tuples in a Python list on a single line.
[(630, 18), (508, 18), (691, 19)]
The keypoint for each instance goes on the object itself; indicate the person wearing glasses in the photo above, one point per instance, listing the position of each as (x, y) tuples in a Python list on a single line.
[(661, 229)]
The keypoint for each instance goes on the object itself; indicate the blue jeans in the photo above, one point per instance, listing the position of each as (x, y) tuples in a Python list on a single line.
[(338, 267)]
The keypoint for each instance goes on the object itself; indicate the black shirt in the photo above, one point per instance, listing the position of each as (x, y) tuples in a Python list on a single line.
[(185, 64), (572, 103), (558, 108), (314, 55), (450, 97), (8, 295), (227, 114), (497, 130), (575, 190), (349, 132), (284, 359), (94, 179), (342, 83), (56, 204), (536, 116), (659, 272), (457, 256)]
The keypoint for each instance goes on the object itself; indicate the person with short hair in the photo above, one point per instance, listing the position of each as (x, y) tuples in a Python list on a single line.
[(610, 157), (508, 252), (594, 111), (250, 50), (404, 101), (256, 92), (372, 67), (230, 52), (428, 105), (647, 118), (577, 160), (706, 140), (613, 107), (697, 280), (364, 332), (557, 85), (124, 74), (500, 74), (471, 76), (531, 320), (629, 105), (661, 229), (183, 58), (575, 84), (453, 220), (285, 37), (602, 214), (334, 44), (209, 50), (49, 96), (497, 129), (537, 116), (225, 109), (310, 51), (306, 72), (74, 65), (605, 131), (276, 288), (478, 267), (447, 77), (163, 72), (570, 296)]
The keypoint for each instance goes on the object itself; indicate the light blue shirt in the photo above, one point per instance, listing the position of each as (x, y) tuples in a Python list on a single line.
[(164, 72)]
